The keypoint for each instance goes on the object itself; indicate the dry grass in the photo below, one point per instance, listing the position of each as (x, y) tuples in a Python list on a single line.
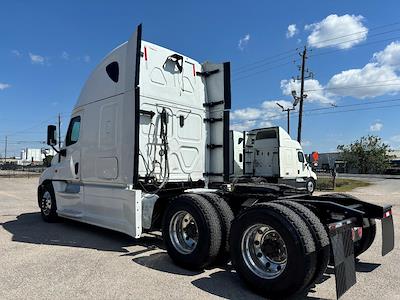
[(342, 184)]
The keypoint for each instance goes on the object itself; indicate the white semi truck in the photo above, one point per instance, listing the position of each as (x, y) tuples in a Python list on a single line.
[(147, 149), (270, 155)]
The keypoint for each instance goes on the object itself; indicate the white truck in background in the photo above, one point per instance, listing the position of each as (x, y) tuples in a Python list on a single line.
[(147, 149), (270, 155)]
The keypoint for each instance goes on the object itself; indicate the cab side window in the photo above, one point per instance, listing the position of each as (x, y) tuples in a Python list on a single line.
[(300, 156), (73, 131)]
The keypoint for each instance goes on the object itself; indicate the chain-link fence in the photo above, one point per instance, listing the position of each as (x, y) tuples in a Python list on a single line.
[(326, 180), (21, 171)]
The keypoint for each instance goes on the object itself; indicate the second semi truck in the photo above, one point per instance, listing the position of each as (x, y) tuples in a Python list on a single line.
[(270, 155)]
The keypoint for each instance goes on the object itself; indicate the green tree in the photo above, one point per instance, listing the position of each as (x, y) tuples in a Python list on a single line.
[(368, 154)]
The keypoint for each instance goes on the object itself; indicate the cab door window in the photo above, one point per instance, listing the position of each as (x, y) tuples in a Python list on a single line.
[(73, 131), (300, 156)]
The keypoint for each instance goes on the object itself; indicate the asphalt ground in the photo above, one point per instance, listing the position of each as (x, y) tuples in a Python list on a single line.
[(69, 260)]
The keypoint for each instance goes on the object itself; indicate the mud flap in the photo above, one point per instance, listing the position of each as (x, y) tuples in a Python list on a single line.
[(387, 232), (343, 254)]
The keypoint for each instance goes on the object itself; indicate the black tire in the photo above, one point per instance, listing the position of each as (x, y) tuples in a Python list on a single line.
[(340, 195), (208, 231), (226, 217), (300, 247), (310, 185), (369, 228), (259, 180), (319, 233), (367, 238), (49, 214)]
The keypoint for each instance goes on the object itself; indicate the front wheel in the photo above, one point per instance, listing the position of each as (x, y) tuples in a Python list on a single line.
[(47, 203), (310, 185)]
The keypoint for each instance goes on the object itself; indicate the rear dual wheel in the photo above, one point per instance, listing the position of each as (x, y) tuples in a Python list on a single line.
[(367, 238), (320, 236), (368, 228), (196, 230), (273, 250)]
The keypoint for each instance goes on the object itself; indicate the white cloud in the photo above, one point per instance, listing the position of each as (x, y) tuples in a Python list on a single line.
[(244, 126), (271, 105), (258, 117), (36, 59), (246, 114), (326, 33), (291, 31), (264, 124), (395, 138), (16, 53), (376, 78), (305, 143), (315, 91), (4, 86), (243, 42), (65, 55), (390, 56), (375, 127)]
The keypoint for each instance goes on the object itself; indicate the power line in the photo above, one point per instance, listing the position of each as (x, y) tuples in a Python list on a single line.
[(265, 59), (361, 38), (251, 74), (356, 86), (355, 46), (250, 68), (354, 104), (335, 107), (35, 126), (309, 112), (359, 32), (261, 71), (311, 55), (352, 110), (292, 51)]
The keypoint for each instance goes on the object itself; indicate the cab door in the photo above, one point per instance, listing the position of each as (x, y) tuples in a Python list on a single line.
[(302, 170), (67, 186)]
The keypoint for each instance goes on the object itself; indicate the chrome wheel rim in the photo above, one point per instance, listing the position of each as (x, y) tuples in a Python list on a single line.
[(264, 251), (310, 186), (183, 232), (46, 203)]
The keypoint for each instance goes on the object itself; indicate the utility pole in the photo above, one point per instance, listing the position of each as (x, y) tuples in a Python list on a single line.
[(5, 151), (59, 131), (302, 96), (288, 110)]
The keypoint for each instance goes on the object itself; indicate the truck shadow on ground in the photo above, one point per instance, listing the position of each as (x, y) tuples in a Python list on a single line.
[(222, 281), (30, 228)]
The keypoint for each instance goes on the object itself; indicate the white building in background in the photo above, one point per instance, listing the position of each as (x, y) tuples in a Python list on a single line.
[(34, 156)]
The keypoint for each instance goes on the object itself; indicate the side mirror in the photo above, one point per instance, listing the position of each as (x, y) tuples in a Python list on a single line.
[(51, 135), (63, 152)]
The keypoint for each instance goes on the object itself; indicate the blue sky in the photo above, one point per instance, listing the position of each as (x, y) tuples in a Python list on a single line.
[(49, 48)]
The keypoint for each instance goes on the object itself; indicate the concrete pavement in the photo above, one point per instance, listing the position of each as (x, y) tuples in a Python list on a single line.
[(73, 260)]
